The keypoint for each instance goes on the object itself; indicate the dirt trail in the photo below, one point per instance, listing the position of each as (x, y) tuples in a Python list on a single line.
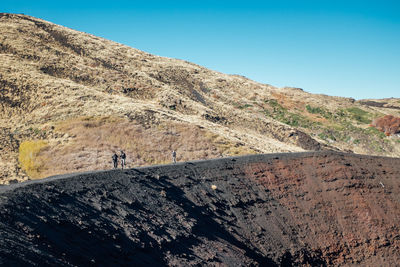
[(316, 208)]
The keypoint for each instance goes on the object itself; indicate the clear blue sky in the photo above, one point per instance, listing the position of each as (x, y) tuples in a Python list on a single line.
[(335, 47)]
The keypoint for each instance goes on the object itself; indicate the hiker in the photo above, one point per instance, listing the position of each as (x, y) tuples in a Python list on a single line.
[(173, 156), (123, 157), (115, 160)]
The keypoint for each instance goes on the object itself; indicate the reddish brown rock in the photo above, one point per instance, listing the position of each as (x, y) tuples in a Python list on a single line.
[(388, 124)]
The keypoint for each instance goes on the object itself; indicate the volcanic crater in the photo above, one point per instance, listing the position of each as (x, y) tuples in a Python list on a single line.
[(289, 209)]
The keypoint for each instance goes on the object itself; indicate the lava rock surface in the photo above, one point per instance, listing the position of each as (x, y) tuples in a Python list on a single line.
[(313, 208)]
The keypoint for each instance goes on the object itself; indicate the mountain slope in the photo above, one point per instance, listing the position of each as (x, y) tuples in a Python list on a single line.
[(69, 99)]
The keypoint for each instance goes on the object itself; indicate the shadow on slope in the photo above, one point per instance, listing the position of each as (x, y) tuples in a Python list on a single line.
[(121, 220)]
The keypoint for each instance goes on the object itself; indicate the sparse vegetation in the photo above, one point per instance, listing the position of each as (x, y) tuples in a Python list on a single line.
[(314, 110), (245, 106), (360, 115), (374, 131), (282, 114), (341, 127), (323, 136), (321, 111), (368, 138)]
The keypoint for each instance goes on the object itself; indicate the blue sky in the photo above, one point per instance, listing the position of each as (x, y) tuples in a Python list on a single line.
[(344, 48)]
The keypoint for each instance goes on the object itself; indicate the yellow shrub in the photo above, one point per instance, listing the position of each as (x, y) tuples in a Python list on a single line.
[(28, 157)]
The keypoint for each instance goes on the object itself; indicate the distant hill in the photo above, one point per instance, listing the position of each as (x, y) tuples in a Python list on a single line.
[(69, 99)]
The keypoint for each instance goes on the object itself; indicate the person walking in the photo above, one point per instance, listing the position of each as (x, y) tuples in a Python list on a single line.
[(173, 156), (123, 157), (115, 160)]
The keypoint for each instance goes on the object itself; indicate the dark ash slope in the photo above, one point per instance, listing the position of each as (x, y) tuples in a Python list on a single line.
[(317, 208)]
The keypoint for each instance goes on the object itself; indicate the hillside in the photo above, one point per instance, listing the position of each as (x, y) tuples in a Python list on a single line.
[(69, 99), (294, 209)]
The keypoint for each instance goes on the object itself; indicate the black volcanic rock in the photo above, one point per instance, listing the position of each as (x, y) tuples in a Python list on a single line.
[(316, 208)]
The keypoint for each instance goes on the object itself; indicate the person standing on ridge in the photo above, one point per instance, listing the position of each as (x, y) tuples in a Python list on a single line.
[(173, 156), (123, 157), (115, 160)]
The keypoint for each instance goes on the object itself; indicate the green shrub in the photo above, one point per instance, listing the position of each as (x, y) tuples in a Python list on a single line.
[(283, 115), (328, 135), (314, 110), (359, 115), (318, 110)]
